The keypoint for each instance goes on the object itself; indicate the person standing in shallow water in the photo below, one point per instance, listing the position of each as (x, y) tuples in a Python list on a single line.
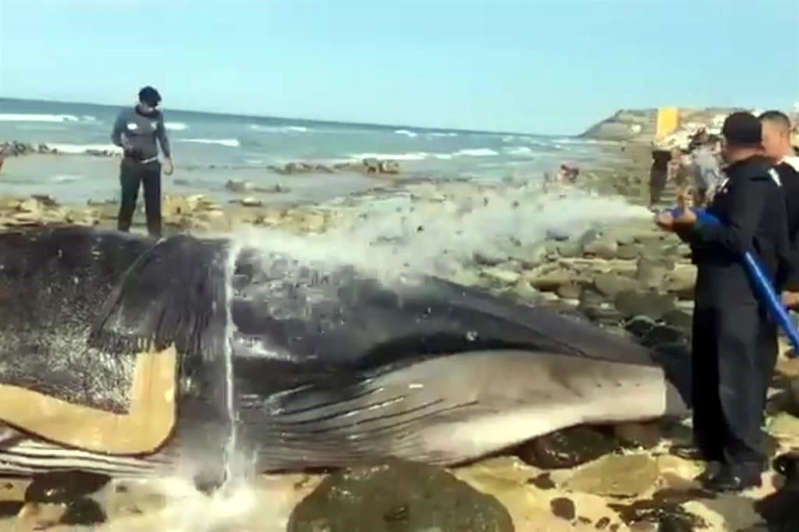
[(734, 343), (136, 131)]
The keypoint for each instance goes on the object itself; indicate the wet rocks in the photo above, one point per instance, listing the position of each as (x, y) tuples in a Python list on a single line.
[(63, 486), (664, 511), (10, 508), (649, 304), (566, 448), (651, 273), (563, 507), (645, 435), (616, 475), (611, 284), (83, 511), (397, 496)]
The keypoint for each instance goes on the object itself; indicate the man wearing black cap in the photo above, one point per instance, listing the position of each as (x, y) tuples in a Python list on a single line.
[(734, 343), (136, 131)]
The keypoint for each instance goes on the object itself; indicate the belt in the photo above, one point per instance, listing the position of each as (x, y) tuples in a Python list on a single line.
[(143, 161)]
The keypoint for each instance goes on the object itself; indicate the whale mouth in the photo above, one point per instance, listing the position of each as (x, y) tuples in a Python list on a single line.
[(449, 409)]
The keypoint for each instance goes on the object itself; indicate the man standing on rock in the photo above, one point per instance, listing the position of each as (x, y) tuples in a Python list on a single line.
[(734, 343), (136, 131)]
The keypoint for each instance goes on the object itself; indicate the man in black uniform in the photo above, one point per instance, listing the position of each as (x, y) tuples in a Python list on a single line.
[(136, 131), (734, 343), (777, 147)]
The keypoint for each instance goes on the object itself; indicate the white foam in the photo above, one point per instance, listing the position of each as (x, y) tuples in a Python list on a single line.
[(443, 134), (24, 117), (65, 178), (476, 152), (413, 156), (406, 132), (230, 143), (76, 149), (176, 126), (518, 150), (278, 129)]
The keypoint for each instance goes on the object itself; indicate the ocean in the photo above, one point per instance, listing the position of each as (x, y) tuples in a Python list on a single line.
[(210, 149)]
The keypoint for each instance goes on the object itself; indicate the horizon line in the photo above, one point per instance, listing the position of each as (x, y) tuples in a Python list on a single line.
[(318, 121)]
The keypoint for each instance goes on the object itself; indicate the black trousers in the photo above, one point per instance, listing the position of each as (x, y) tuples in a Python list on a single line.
[(734, 354), (657, 182), (131, 174)]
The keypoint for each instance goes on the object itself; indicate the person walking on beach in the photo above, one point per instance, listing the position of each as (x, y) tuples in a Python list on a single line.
[(734, 344), (136, 130)]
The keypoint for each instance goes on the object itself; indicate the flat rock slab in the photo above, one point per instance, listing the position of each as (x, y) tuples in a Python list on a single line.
[(616, 475)]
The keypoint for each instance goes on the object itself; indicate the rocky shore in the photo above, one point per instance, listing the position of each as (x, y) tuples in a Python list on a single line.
[(629, 278)]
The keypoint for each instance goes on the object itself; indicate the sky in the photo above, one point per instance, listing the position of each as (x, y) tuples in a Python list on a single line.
[(548, 66)]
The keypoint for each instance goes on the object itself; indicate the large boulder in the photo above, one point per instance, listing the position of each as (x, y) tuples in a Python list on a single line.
[(398, 496)]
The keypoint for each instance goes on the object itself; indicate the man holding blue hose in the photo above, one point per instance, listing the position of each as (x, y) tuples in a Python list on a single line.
[(734, 342)]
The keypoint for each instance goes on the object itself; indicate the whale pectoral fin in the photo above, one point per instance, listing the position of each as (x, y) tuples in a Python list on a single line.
[(147, 424), (452, 409)]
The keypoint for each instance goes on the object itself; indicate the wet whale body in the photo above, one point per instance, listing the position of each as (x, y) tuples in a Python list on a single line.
[(124, 355)]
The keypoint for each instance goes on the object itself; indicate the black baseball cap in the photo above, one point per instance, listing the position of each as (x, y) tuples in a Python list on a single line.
[(149, 96), (742, 128)]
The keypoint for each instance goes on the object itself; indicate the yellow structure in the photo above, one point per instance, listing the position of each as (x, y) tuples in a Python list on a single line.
[(668, 120)]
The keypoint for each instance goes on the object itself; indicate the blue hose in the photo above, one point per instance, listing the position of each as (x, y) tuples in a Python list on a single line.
[(763, 286)]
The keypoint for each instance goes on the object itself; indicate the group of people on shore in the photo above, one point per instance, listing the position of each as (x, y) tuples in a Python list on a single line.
[(755, 196)]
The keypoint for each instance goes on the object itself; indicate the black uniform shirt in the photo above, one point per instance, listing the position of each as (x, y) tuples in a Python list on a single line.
[(751, 206)]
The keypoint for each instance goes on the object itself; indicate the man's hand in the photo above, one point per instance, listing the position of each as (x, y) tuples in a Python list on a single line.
[(169, 167), (685, 220), (790, 299)]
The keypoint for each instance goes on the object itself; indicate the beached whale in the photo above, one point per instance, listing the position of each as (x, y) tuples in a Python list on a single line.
[(124, 355)]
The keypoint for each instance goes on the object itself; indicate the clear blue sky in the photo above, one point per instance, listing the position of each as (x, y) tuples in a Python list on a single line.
[(552, 66)]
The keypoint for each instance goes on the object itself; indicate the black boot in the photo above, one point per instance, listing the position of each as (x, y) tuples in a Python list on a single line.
[(735, 477)]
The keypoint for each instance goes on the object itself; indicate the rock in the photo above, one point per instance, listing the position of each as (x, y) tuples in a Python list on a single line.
[(30, 205), (549, 281), (63, 486), (632, 303), (569, 290), (662, 334), (563, 507), (389, 167), (610, 284), (628, 251), (566, 448), (239, 186), (501, 275), (678, 319), (542, 481), (616, 475), (84, 511), (646, 435), (681, 281), (569, 249), (664, 511), (640, 325), (784, 424), (557, 235), (604, 248), (10, 508), (650, 273), (486, 258), (526, 292), (251, 202), (397, 496)]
